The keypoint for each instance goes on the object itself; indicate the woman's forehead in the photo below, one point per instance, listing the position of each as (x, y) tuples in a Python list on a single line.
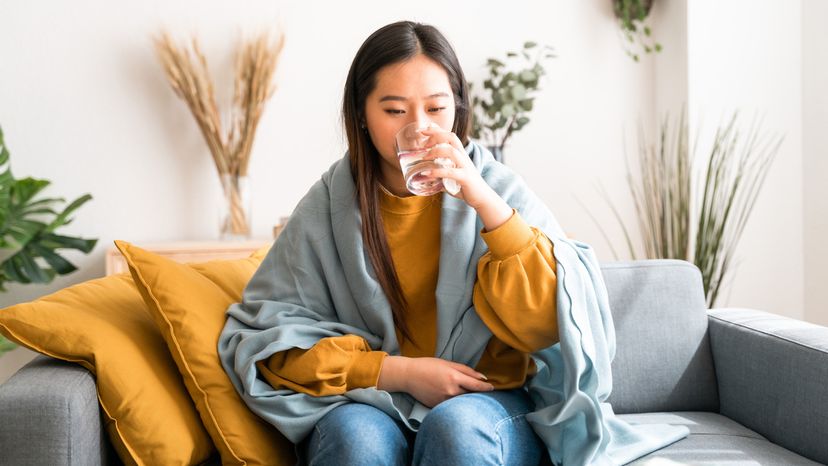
[(418, 78)]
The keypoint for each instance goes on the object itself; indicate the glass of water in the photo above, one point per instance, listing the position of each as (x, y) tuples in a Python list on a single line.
[(412, 145)]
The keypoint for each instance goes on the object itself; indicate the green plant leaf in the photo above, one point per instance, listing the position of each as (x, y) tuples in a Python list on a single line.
[(529, 44), (508, 111), (58, 263), (10, 269), (5, 344), (34, 273), (61, 219), (4, 152), (27, 188), (501, 122), (58, 241), (494, 63), (527, 104), (518, 92), (23, 230), (497, 100), (528, 76)]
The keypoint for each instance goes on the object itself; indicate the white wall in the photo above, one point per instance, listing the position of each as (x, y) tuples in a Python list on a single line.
[(815, 157), (746, 55)]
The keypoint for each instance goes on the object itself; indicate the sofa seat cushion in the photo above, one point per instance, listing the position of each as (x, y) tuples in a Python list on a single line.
[(714, 440)]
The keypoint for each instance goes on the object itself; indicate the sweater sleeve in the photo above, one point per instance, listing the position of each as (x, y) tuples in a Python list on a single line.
[(516, 288), (332, 366)]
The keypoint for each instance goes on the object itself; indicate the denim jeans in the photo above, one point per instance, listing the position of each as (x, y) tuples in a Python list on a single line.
[(472, 429)]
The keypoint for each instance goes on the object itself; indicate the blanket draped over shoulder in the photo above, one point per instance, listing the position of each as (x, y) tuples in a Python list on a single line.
[(317, 281)]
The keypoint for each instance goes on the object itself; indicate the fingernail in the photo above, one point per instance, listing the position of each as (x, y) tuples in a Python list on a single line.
[(482, 376)]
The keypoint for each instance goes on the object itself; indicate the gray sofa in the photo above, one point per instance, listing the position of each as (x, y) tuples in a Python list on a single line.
[(752, 387)]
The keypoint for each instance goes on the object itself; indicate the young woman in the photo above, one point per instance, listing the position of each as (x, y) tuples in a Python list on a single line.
[(388, 328)]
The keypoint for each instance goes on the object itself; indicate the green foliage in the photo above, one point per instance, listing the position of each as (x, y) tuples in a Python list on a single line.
[(502, 106), (726, 188), (28, 224), (632, 15)]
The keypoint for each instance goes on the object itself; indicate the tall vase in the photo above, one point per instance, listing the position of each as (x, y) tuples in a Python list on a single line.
[(235, 208)]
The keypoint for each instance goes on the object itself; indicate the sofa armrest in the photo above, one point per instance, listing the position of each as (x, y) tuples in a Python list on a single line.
[(772, 374), (49, 414)]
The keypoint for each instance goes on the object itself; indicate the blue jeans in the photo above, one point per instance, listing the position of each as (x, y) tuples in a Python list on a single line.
[(472, 429)]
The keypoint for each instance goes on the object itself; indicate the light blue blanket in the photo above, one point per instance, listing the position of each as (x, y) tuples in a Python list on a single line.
[(317, 282)]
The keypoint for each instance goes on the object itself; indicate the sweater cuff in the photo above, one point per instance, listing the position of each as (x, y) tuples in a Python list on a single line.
[(510, 238), (365, 369)]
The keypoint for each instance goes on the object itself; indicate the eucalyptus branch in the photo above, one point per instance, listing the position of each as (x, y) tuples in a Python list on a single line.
[(501, 108)]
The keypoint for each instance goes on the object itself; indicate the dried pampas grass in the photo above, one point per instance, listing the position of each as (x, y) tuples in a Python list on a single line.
[(188, 74)]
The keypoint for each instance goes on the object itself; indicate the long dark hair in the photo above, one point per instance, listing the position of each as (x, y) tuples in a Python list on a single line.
[(391, 44)]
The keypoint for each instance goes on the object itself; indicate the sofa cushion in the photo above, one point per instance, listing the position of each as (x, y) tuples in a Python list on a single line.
[(188, 303), (714, 440), (103, 325), (663, 360)]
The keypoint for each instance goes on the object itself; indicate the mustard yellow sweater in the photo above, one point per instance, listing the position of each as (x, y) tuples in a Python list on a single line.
[(515, 296)]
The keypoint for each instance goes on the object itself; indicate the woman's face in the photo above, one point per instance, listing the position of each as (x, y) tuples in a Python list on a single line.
[(416, 90)]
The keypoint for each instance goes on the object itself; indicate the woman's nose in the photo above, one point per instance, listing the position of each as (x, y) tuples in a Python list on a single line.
[(422, 119)]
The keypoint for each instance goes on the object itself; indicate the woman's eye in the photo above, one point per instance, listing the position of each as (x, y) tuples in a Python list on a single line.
[(394, 111), (436, 109)]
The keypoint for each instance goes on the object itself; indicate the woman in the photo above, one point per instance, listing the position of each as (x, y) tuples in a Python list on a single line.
[(386, 328)]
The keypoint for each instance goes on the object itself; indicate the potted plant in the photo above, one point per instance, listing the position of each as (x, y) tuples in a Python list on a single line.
[(726, 188), (502, 107), (28, 237), (632, 16)]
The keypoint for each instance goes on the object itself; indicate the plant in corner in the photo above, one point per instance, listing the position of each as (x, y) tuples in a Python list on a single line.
[(503, 105), (632, 16), (726, 189), (28, 241)]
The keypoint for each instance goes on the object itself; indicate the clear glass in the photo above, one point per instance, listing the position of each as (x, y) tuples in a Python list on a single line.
[(235, 208), (412, 145)]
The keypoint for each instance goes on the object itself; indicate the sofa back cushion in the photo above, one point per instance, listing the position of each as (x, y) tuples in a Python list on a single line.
[(663, 360)]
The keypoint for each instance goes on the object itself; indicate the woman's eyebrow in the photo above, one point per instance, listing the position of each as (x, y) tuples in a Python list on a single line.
[(400, 98)]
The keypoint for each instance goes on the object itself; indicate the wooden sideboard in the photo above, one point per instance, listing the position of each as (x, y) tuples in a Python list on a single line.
[(188, 251)]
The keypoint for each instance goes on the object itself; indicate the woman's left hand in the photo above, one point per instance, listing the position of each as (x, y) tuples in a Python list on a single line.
[(474, 190)]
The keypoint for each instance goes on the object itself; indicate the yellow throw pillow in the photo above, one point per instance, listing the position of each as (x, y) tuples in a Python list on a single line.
[(189, 303), (103, 325)]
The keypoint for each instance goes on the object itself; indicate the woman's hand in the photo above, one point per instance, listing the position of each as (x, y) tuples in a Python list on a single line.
[(430, 380), (474, 190)]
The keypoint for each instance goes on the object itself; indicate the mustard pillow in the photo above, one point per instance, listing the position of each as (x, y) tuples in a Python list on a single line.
[(189, 303), (103, 325)]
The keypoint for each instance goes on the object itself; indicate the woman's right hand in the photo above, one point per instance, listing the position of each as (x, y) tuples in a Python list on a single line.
[(430, 380)]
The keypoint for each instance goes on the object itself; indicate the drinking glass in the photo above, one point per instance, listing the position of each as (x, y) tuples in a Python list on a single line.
[(412, 145)]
